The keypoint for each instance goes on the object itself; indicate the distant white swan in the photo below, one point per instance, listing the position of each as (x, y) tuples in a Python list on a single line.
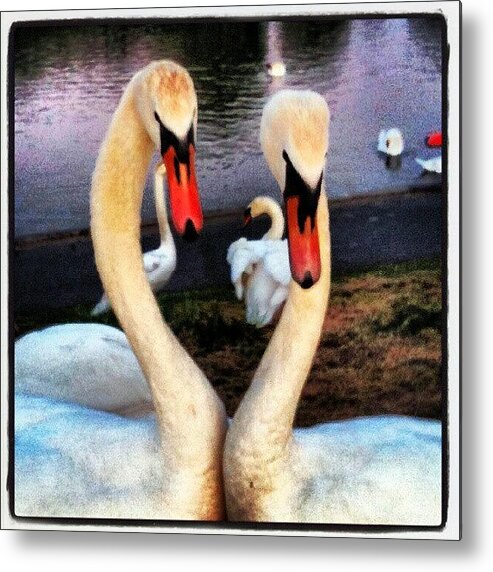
[(260, 268), (159, 264), (276, 69), (378, 470), (391, 142), (431, 165)]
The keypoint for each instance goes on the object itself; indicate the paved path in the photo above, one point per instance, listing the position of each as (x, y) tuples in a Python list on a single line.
[(61, 272)]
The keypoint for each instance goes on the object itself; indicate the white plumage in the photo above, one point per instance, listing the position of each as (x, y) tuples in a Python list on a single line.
[(276, 69), (391, 142), (159, 264), (88, 364), (432, 165), (260, 268)]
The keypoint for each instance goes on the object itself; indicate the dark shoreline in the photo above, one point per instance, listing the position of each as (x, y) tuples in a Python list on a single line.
[(57, 269)]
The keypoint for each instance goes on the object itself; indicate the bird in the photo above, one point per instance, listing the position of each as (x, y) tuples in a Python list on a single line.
[(431, 165), (391, 142), (76, 461), (260, 268), (378, 470), (89, 364), (276, 69), (159, 264)]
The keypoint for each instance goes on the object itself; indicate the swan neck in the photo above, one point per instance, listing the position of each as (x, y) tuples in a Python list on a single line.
[(188, 410), (161, 213), (265, 417), (276, 230)]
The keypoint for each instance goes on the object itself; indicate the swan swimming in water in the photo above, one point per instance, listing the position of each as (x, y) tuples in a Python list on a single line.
[(260, 268), (380, 470), (159, 264), (75, 461), (391, 142), (431, 165)]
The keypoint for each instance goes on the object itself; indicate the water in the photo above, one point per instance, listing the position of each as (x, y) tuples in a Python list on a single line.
[(68, 80)]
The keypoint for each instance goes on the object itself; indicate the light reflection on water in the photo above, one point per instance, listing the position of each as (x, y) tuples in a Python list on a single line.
[(68, 80)]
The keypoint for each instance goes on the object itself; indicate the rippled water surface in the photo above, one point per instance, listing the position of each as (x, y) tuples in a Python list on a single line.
[(68, 80)]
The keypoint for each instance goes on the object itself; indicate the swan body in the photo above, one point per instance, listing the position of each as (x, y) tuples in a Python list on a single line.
[(431, 165), (391, 142), (72, 460), (260, 268), (276, 69), (92, 365), (377, 470), (159, 264)]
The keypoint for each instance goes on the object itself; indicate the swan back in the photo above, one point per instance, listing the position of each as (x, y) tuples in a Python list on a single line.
[(89, 364)]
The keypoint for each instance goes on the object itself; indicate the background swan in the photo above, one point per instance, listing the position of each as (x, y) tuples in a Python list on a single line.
[(75, 461), (381, 470), (276, 69), (159, 264), (391, 142), (260, 268), (431, 165), (88, 364)]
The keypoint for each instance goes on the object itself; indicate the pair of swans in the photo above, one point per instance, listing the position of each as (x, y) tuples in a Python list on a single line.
[(183, 462)]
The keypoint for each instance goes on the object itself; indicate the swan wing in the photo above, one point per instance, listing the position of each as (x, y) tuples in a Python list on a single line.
[(276, 261), (242, 256)]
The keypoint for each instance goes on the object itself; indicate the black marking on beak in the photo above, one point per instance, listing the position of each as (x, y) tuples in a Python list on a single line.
[(307, 281), (308, 197), (190, 234), (181, 146)]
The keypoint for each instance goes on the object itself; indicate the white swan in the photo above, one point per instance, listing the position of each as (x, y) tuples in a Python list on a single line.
[(260, 268), (391, 142), (381, 470), (276, 69), (88, 364), (431, 165), (159, 264), (73, 461)]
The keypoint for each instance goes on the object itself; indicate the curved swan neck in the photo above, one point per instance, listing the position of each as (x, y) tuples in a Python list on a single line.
[(266, 414), (188, 410), (161, 214), (276, 229)]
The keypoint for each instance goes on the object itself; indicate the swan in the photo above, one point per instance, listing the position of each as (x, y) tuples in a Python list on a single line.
[(76, 461), (391, 142), (159, 264), (377, 470), (431, 165), (276, 69), (89, 364), (260, 268)]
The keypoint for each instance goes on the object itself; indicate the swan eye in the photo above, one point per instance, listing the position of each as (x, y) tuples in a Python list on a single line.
[(285, 156), (158, 119)]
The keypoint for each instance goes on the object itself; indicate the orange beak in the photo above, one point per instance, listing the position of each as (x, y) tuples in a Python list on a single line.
[(186, 211), (303, 243)]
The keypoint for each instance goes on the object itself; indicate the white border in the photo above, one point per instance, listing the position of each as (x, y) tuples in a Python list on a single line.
[(451, 12)]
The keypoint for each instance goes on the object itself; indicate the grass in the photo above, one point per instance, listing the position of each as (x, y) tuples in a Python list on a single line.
[(380, 350)]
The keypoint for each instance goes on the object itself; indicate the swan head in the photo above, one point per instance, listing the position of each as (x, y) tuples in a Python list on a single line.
[(259, 206), (294, 135), (167, 103)]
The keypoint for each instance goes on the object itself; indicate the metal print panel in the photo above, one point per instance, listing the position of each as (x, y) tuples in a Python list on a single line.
[(232, 270)]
